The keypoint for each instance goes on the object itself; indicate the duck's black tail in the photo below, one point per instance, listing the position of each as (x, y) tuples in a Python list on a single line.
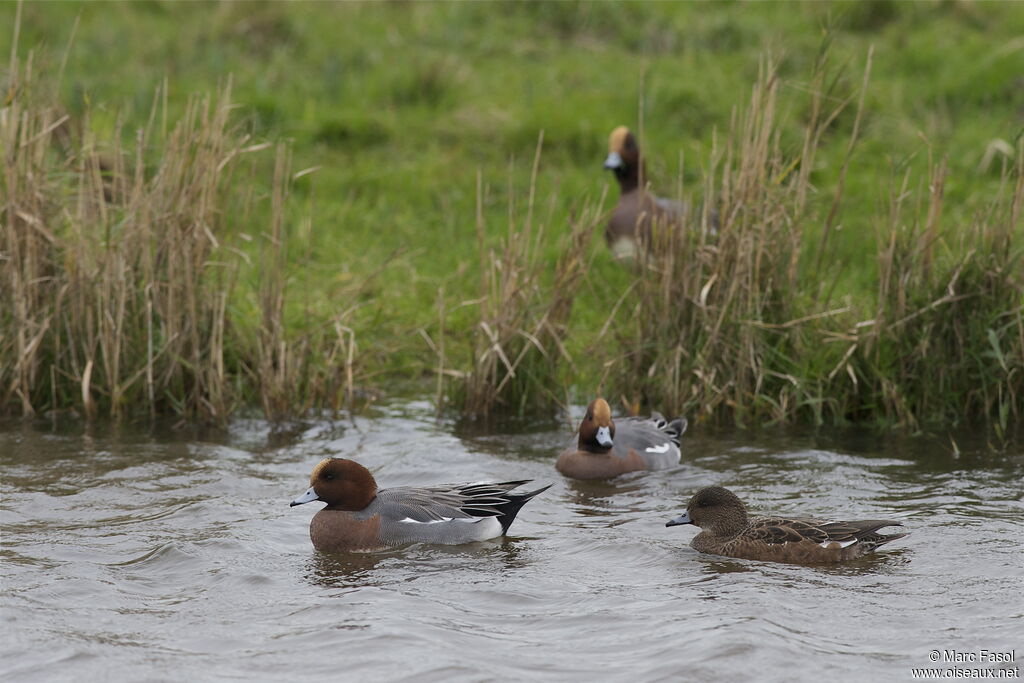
[(495, 500), (677, 428), (508, 510), (674, 429)]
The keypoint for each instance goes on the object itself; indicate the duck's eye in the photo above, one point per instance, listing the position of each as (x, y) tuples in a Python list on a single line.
[(329, 476), (590, 417)]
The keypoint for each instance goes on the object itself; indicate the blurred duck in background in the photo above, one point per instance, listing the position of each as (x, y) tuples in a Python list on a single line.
[(639, 215)]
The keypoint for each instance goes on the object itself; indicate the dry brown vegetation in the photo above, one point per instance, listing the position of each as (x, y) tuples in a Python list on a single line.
[(121, 266), (153, 278), (523, 317), (739, 325)]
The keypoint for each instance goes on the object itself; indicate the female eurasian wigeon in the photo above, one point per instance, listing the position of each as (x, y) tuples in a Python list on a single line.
[(638, 210), (358, 516), (606, 450), (726, 530)]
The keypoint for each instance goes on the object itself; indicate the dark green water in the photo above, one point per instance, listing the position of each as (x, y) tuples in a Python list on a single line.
[(156, 556)]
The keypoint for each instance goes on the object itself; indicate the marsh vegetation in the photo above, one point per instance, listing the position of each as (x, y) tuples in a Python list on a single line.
[(302, 207)]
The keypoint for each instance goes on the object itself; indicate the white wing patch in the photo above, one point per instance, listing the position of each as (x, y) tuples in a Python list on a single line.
[(443, 520), (841, 544), (663, 448)]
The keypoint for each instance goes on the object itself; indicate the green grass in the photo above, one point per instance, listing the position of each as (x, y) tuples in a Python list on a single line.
[(399, 106)]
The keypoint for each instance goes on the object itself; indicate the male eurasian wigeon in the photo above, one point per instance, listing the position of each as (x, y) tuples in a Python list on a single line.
[(358, 516), (630, 224), (727, 530), (606, 449)]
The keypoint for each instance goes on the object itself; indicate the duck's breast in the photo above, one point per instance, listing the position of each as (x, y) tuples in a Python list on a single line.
[(583, 465), (339, 530)]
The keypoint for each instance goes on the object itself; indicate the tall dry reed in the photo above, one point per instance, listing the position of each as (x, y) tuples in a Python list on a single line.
[(945, 345), (519, 341), (715, 315), (120, 264), (737, 325), (118, 277)]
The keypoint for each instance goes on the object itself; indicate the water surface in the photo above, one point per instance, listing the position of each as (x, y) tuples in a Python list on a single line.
[(157, 555)]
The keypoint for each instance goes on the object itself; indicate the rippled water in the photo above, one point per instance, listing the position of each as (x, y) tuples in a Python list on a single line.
[(157, 556)]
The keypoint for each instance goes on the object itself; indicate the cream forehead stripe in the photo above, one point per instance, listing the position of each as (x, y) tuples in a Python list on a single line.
[(617, 140), (602, 413), (318, 469)]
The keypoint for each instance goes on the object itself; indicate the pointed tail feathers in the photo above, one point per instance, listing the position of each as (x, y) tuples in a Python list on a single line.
[(507, 511)]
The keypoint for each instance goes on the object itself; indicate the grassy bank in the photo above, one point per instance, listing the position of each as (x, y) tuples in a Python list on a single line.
[(163, 256)]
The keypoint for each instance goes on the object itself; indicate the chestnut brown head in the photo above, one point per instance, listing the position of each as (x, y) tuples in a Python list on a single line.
[(597, 430), (624, 157), (341, 483)]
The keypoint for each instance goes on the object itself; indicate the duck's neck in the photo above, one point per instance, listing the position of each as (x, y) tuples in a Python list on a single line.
[(731, 524), (592, 446), (628, 177)]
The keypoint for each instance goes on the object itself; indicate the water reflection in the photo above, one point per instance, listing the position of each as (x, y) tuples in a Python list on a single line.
[(601, 497), (535, 438), (344, 570), (378, 568), (717, 565)]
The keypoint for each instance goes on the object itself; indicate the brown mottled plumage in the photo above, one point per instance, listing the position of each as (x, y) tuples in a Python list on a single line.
[(727, 530)]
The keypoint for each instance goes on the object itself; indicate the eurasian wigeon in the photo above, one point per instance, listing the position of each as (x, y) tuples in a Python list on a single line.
[(632, 219), (358, 516), (606, 449), (727, 530)]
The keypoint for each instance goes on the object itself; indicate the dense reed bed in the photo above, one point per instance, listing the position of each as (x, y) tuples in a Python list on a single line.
[(523, 313), (712, 311), (158, 269), (945, 344), (739, 324), (121, 266)]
